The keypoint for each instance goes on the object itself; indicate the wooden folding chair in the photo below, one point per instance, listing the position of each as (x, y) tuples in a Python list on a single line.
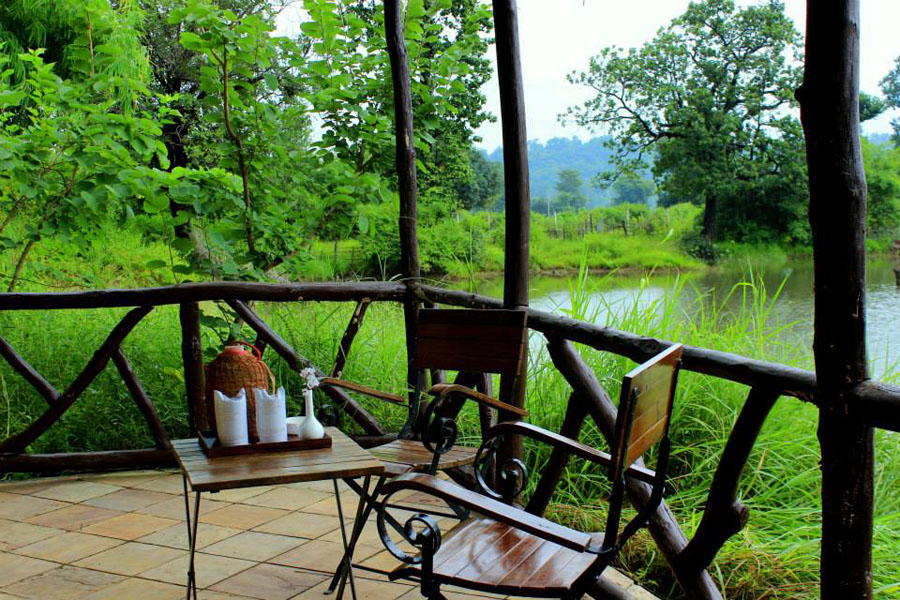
[(463, 340), (506, 550)]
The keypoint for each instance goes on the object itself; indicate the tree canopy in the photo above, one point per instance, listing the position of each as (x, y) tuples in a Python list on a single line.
[(710, 97)]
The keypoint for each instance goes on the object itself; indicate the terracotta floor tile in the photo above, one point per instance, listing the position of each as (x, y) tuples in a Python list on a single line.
[(130, 526), (73, 517), (139, 589), (68, 547), (299, 524), (131, 478), (76, 491), (328, 506), (174, 507), (366, 589), (239, 494), (28, 486), (169, 484), (320, 556), (254, 545), (209, 569), (130, 559), (14, 535), (65, 582), (128, 500), (208, 595), (369, 536), (287, 498), (176, 536), (269, 582), (241, 516), (17, 507), (383, 560), (14, 568)]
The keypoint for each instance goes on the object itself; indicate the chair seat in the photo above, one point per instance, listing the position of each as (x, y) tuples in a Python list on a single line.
[(484, 554), (403, 456)]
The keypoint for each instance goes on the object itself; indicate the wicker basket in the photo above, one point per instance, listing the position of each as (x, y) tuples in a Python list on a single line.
[(233, 369)]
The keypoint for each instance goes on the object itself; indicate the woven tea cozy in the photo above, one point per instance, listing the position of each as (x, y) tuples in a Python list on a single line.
[(233, 369)]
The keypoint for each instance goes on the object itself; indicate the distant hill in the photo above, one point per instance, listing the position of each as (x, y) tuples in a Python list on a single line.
[(547, 159), (879, 138)]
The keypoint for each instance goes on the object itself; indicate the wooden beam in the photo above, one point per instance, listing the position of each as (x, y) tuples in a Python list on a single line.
[(516, 193), (202, 292), (353, 326), (407, 184), (28, 373), (200, 416), (829, 112), (87, 461), (144, 404), (20, 441)]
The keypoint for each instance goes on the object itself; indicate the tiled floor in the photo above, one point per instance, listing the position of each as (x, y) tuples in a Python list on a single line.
[(122, 536)]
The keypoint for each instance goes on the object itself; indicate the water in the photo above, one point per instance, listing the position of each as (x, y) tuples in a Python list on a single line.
[(794, 306)]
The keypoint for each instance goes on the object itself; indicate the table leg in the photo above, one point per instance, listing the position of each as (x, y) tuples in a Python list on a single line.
[(363, 509), (192, 536)]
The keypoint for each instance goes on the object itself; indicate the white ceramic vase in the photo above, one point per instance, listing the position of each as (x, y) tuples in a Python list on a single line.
[(310, 429)]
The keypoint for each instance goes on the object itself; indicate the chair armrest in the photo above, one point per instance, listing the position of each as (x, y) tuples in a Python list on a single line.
[(362, 389), (577, 448), (442, 390), (504, 513)]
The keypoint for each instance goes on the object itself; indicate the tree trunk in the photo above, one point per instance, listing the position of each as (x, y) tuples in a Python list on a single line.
[(837, 210), (709, 218)]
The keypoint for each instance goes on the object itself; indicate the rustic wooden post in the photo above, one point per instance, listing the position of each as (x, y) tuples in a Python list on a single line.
[(192, 359), (829, 112), (518, 202), (406, 174)]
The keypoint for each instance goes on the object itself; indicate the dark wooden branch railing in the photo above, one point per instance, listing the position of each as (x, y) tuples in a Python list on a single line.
[(204, 292), (28, 373), (20, 441), (724, 514)]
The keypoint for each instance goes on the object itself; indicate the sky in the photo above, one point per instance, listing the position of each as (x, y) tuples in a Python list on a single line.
[(559, 36)]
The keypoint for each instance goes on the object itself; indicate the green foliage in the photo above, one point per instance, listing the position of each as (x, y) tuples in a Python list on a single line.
[(69, 159), (630, 188), (870, 106), (890, 87), (694, 96), (569, 192), (882, 164)]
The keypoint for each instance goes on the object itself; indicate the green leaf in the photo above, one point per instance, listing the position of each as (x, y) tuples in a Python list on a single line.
[(155, 264)]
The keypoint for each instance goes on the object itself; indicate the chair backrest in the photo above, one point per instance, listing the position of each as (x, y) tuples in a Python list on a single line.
[(645, 410), (471, 340), (645, 404)]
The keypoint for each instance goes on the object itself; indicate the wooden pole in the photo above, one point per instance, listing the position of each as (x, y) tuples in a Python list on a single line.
[(518, 202), (406, 174), (829, 111)]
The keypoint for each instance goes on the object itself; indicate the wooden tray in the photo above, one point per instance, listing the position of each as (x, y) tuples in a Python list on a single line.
[(209, 443)]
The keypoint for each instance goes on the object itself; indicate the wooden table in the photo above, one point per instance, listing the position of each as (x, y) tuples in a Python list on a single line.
[(344, 460)]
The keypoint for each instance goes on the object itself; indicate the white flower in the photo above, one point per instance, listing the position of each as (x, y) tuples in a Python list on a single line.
[(309, 374)]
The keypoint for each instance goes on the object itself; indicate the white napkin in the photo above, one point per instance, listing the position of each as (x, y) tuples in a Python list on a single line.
[(231, 418), (271, 415)]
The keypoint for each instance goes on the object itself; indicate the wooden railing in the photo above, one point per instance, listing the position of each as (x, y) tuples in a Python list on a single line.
[(723, 516)]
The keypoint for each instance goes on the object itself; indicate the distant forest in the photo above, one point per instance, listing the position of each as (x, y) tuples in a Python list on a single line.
[(590, 158), (546, 160)]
